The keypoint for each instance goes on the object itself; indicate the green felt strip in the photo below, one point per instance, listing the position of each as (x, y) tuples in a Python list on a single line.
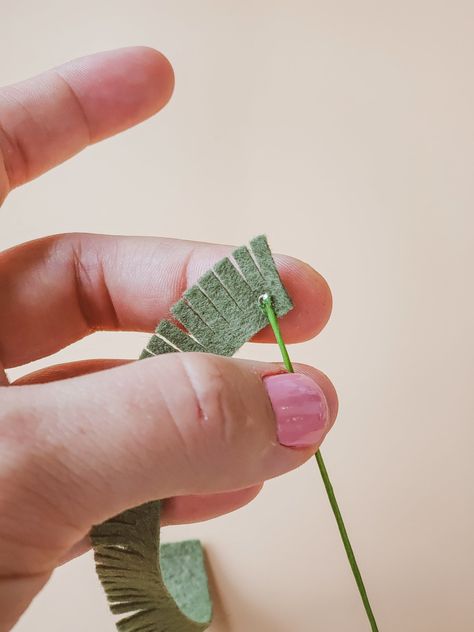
[(145, 354), (157, 346), (165, 589), (177, 337), (249, 269), (205, 308), (234, 283), (219, 297), (263, 256), (192, 321), (187, 580), (126, 551)]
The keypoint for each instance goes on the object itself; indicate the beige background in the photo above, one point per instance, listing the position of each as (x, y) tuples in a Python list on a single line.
[(346, 131)]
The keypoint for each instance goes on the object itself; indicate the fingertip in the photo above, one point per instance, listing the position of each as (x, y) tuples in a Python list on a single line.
[(119, 88), (160, 74)]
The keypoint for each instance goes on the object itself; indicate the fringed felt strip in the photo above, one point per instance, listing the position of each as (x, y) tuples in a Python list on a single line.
[(174, 597), (165, 589)]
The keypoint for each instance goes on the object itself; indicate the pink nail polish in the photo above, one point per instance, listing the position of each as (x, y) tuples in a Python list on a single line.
[(300, 407)]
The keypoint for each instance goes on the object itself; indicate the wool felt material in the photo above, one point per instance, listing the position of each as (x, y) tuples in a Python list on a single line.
[(165, 589)]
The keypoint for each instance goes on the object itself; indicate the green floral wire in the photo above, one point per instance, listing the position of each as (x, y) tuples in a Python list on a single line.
[(266, 303)]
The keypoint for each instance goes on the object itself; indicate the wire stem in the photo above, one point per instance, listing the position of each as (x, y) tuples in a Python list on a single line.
[(266, 304)]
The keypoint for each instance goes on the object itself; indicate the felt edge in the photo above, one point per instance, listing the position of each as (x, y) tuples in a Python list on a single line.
[(178, 556)]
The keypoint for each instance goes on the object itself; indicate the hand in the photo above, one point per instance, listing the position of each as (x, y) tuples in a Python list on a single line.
[(83, 441)]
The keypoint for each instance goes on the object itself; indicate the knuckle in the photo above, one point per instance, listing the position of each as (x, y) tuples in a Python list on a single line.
[(13, 159), (4, 179), (24, 460), (32, 472), (215, 401), (17, 430), (24, 493)]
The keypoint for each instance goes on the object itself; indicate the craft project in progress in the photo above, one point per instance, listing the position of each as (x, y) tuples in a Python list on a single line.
[(165, 588)]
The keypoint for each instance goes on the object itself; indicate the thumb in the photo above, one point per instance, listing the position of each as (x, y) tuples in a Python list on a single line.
[(182, 423)]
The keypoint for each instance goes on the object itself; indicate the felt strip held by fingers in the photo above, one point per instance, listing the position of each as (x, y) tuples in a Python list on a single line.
[(165, 589)]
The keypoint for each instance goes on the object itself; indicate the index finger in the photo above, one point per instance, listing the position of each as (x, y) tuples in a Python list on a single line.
[(51, 117), (58, 289)]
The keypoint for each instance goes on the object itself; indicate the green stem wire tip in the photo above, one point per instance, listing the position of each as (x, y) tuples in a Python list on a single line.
[(267, 306)]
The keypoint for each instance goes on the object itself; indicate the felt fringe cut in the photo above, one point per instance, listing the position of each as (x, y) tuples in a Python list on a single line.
[(165, 589)]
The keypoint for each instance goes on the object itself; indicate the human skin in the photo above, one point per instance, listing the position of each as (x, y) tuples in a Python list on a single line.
[(82, 441)]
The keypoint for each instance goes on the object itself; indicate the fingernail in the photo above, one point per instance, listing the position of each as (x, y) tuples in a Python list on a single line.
[(300, 408)]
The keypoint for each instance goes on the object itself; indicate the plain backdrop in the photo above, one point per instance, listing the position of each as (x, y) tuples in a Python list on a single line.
[(345, 131)]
